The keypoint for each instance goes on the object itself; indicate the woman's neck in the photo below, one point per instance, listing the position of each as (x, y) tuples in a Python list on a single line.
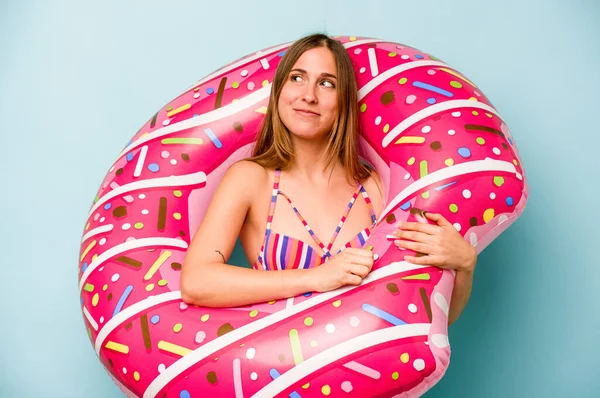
[(310, 163)]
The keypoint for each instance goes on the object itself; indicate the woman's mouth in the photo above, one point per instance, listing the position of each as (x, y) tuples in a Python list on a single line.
[(306, 112)]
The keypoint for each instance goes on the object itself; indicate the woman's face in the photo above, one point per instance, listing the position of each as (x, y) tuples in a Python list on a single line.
[(308, 101)]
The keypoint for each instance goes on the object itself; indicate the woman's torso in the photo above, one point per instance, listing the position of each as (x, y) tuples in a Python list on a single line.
[(322, 208)]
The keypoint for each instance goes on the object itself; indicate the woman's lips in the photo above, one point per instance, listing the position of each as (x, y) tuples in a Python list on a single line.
[(306, 113)]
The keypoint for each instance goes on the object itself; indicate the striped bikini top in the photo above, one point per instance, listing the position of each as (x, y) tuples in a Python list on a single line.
[(280, 251)]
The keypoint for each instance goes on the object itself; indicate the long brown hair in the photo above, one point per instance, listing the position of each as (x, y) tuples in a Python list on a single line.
[(274, 147)]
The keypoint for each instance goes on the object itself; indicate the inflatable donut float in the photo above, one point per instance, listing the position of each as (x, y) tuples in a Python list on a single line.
[(438, 144)]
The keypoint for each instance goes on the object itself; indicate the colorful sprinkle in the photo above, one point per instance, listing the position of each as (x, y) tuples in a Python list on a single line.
[(186, 141), (449, 162), (464, 152), (395, 375), (509, 201), (177, 328), (250, 353), (363, 107), (308, 321), (404, 358), (480, 141), (136, 376), (200, 336), (153, 167), (123, 349), (122, 299), (138, 225), (173, 348), (347, 386), (337, 303), (326, 390), (213, 137), (498, 181), (455, 84), (253, 314), (95, 299), (382, 314), (296, 347), (488, 215), (453, 208), (184, 394), (155, 319), (402, 80), (435, 89), (431, 101)]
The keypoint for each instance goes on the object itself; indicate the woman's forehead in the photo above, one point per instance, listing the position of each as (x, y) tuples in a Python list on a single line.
[(316, 61)]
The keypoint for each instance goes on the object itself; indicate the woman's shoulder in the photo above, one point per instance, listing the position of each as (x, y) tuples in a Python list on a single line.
[(246, 173)]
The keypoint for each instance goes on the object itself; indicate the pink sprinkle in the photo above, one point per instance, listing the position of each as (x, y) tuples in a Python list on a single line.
[(200, 336), (431, 72), (411, 98), (347, 386), (358, 51), (250, 86), (182, 306)]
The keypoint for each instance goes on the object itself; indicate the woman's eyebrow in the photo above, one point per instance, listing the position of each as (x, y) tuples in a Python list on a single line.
[(324, 74)]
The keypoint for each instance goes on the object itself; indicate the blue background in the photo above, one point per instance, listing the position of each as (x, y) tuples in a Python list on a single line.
[(77, 79)]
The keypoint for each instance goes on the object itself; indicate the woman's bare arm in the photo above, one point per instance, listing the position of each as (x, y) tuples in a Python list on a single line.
[(206, 279)]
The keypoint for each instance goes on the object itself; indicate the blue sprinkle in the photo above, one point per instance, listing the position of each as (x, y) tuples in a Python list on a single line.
[(281, 53), (431, 101), (195, 114), (153, 167), (509, 201), (378, 312), (464, 152), (274, 373), (107, 206), (433, 88), (129, 156), (84, 267), (209, 91), (129, 143), (213, 137), (81, 300), (155, 319), (405, 206), (124, 296), (308, 294), (294, 394), (184, 394), (419, 56), (445, 186), (509, 140)]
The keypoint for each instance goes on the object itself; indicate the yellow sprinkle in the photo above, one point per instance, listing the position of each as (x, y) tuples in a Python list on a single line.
[(162, 282), (177, 193), (205, 317), (95, 299), (473, 99), (411, 161), (138, 225), (177, 328), (234, 100), (94, 257), (352, 38), (149, 287), (253, 313), (449, 162), (515, 162), (425, 195), (265, 83), (488, 215), (308, 321), (313, 343), (177, 216), (475, 113), (262, 109), (159, 261), (386, 128), (489, 115), (111, 345), (104, 287), (337, 303), (136, 376), (272, 302), (405, 357), (326, 390), (410, 140), (420, 277), (173, 348), (87, 226), (306, 386), (180, 109), (457, 75), (87, 250)]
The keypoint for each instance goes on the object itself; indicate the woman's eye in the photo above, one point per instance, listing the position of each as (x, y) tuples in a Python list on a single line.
[(328, 83), (296, 78)]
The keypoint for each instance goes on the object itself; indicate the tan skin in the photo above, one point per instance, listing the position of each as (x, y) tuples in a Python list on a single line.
[(308, 108)]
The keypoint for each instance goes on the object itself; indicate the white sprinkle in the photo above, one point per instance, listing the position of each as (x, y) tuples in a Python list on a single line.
[(124, 370), (102, 241), (264, 63), (431, 72), (101, 319), (142, 196), (419, 364), (126, 226), (200, 336), (166, 122), (96, 216), (411, 98), (412, 308), (197, 95), (253, 376), (451, 132), (250, 353), (173, 162), (129, 239), (407, 176), (405, 56), (477, 93), (183, 306), (358, 51), (165, 154), (519, 176), (467, 194), (102, 219), (115, 277), (244, 73), (377, 120), (363, 69), (373, 62), (161, 368), (101, 269), (456, 114), (426, 129), (457, 226), (354, 321), (496, 151), (330, 328), (145, 211), (492, 196), (250, 86)]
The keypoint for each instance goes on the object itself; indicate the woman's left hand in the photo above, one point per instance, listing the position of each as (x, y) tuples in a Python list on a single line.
[(440, 245)]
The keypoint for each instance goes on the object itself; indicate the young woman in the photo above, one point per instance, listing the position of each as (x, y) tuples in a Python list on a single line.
[(306, 154)]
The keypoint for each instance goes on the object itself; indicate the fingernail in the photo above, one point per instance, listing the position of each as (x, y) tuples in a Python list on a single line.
[(391, 236)]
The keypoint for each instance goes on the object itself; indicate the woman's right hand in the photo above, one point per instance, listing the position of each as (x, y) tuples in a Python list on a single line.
[(349, 267)]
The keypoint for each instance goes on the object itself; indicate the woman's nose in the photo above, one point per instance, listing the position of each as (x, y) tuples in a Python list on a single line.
[(310, 94)]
